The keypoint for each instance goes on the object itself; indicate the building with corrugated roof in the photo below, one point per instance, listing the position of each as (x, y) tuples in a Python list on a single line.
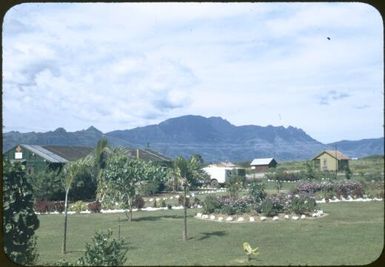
[(331, 160), (40, 157), (263, 164)]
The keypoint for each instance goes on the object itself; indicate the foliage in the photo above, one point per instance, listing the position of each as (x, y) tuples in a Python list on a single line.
[(340, 188), (95, 207), (104, 251), (47, 184), (256, 191), (190, 169), (43, 206), (234, 184), (19, 220), (78, 206), (125, 176), (138, 202), (311, 173), (302, 204), (84, 184), (210, 204), (271, 206), (163, 203), (182, 203), (232, 206)]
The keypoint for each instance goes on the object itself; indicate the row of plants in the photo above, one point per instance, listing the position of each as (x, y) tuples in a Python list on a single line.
[(45, 206), (329, 189), (257, 201)]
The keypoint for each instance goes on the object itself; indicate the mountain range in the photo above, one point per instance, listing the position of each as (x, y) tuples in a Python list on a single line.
[(214, 138)]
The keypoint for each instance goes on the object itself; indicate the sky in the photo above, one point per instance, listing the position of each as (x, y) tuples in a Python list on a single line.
[(314, 66)]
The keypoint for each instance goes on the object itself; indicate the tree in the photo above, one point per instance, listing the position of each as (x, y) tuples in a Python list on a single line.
[(124, 177), (71, 170), (183, 172), (19, 221), (101, 154)]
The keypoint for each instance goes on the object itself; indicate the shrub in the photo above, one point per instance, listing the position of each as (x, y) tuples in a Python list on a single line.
[(210, 204), (169, 206), (104, 251), (78, 206), (272, 206), (95, 206), (154, 205), (163, 203), (181, 201), (257, 191), (138, 202), (43, 206), (196, 201), (301, 204)]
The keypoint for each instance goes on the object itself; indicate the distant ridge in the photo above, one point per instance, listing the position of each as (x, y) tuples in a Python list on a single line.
[(214, 138)]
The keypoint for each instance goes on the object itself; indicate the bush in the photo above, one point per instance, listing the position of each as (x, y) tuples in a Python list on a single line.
[(210, 204), (138, 202), (78, 206), (163, 203), (272, 205), (301, 204), (43, 206), (181, 201), (95, 206), (104, 251), (257, 191)]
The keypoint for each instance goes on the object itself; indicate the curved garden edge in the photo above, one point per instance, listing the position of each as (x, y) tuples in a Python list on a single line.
[(257, 218)]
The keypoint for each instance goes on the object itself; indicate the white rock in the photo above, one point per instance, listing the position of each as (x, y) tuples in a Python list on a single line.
[(212, 217), (176, 197), (251, 219), (275, 218), (229, 218), (151, 199), (158, 199), (165, 198), (220, 219), (205, 216), (263, 218), (294, 217), (286, 216), (240, 219), (171, 197), (199, 215), (303, 216)]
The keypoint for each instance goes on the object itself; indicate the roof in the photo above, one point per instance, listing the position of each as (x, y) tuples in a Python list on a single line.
[(261, 161), (59, 154), (335, 154), (146, 154)]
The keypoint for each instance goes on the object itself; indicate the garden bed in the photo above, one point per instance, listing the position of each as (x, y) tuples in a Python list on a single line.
[(251, 218)]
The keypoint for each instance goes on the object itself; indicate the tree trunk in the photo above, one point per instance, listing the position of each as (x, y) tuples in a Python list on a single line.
[(65, 223), (130, 219), (185, 215)]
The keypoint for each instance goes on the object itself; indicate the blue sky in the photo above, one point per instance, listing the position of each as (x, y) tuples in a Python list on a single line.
[(120, 66)]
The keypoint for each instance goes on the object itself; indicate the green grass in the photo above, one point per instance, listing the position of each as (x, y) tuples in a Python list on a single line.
[(352, 233)]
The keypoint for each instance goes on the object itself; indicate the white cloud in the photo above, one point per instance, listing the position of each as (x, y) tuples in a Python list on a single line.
[(119, 66)]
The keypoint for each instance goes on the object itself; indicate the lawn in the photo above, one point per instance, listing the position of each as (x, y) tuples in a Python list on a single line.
[(352, 234)]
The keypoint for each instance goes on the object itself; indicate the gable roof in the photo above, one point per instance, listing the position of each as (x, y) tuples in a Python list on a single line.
[(59, 154), (261, 161), (335, 154)]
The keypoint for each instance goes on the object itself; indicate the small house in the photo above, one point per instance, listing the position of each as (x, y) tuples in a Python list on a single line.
[(263, 164), (331, 160)]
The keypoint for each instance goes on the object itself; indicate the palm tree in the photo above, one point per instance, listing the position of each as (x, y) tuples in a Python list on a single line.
[(101, 154), (70, 171), (182, 170)]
